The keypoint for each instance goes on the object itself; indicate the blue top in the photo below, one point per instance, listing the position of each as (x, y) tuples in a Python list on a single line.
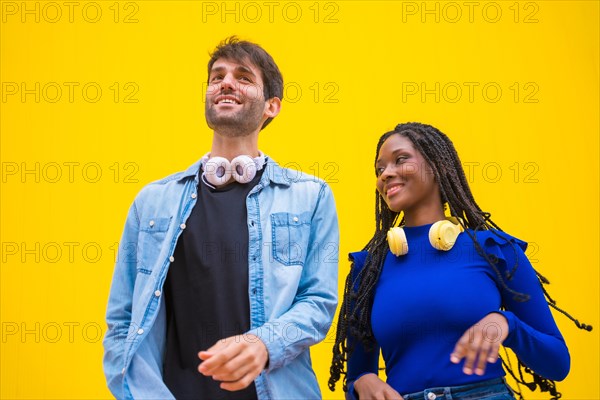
[(426, 300)]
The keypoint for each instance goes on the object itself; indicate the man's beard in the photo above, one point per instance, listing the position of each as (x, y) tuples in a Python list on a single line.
[(242, 122)]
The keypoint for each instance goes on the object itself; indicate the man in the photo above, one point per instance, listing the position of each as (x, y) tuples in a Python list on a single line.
[(228, 270)]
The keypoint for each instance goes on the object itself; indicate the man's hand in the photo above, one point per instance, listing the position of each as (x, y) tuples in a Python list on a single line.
[(481, 343), (235, 361), (370, 387)]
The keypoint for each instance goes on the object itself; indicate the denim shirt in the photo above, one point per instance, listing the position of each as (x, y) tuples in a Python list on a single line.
[(292, 265)]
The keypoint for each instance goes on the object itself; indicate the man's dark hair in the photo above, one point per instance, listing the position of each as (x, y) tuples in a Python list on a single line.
[(238, 50)]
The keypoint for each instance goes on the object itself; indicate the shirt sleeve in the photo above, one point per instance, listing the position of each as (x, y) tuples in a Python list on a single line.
[(118, 313), (532, 331), (361, 361), (314, 306)]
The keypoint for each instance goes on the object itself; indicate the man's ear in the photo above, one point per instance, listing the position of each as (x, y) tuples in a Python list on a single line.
[(272, 107)]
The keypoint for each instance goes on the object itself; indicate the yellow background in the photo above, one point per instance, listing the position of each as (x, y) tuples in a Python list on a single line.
[(353, 69)]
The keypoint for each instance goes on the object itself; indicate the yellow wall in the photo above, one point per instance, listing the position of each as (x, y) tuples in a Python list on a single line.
[(100, 98)]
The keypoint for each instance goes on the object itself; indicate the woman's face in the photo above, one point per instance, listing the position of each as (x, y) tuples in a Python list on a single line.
[(405, 180)]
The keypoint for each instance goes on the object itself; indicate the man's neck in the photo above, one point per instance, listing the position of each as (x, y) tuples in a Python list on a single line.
[(231, 147)]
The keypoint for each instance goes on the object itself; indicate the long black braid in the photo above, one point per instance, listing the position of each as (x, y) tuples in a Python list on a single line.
[(355, 313)]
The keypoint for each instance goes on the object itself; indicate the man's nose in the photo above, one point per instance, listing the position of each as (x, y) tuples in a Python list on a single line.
[(228, 82)]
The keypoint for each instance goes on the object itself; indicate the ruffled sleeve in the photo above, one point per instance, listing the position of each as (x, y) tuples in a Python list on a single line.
[(360, 361), (499, 244), (533, 334), (357, 259)]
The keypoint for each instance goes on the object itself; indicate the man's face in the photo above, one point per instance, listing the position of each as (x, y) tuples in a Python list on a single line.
[(235, 103)]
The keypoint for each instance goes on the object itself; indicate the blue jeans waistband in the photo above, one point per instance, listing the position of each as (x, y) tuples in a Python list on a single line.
[(490, 389)]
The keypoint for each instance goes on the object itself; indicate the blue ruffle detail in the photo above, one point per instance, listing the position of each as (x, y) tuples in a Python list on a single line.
[(491, 237), (358, 258), (503, 248)]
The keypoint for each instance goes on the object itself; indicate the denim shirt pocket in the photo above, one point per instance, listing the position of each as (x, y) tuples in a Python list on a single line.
[(152, 236), (290, 237)]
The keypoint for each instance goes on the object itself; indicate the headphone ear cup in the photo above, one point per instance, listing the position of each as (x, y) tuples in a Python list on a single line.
[(397, 241), (243, 169), (443, 234), (217, 171)]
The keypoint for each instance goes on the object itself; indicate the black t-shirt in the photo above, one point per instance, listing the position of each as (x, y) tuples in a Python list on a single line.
[(206, 290)]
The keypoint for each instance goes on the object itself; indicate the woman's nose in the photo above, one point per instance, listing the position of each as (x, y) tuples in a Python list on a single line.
[(387, 172)]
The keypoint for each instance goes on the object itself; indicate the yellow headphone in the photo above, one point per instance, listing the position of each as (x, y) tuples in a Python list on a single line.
[(442, 236)]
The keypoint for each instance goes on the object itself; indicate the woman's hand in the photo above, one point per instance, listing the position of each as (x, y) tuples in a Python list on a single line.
[(480, 343), (370, 387)]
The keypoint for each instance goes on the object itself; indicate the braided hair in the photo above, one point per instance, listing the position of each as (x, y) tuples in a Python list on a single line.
[(354, 321)]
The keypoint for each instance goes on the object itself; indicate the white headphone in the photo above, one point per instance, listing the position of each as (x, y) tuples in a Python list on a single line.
[(218, 170)]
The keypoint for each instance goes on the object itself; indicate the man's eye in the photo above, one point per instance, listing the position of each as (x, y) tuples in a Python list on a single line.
[(216, 78), (245, 78)]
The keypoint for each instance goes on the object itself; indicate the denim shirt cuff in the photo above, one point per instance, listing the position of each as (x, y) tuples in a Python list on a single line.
[(272, 342)]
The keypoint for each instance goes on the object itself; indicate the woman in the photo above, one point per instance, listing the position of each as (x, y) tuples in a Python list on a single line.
[(441, 302)]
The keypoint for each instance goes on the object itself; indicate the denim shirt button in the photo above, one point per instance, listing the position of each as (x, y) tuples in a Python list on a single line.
[(140, 331), (182, 226), (431, 396), (157, 293), (171, 258), (194, 195), (295, 219), (151, 223), (123, 371)]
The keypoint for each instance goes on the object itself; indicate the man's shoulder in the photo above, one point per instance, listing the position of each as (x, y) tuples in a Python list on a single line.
[(176, 176), (168, 183), (293, 177)]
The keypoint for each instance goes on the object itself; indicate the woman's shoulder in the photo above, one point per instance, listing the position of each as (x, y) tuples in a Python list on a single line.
[(495, 237), (503, 247), (358, 258)]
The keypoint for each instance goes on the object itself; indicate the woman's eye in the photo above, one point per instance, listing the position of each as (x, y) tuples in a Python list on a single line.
[(378, 171), (400, 159)]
